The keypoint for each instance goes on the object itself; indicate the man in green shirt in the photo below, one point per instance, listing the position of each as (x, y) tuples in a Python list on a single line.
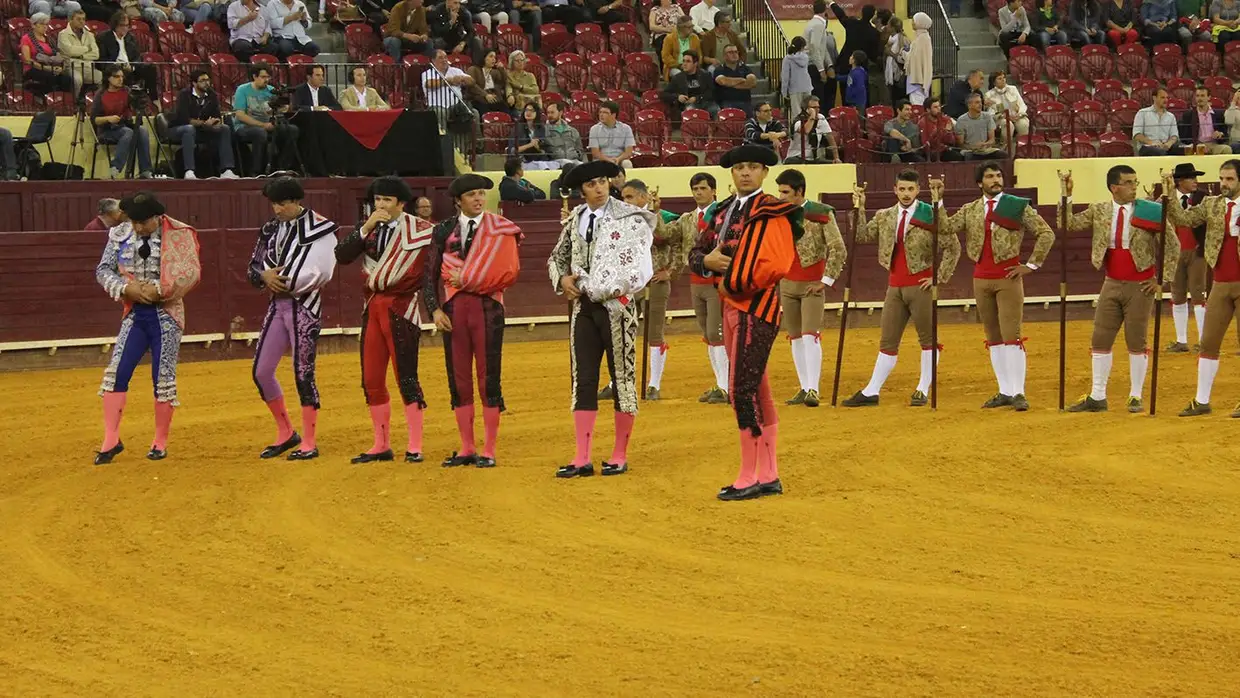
[(257, 123)]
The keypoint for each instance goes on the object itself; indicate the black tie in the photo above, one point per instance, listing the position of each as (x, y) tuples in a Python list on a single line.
[(144, 250), (469, 238), (590, 230), (1184, 200)]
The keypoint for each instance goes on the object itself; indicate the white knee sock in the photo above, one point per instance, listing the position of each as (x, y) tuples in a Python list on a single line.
[(1179, 315), (1206, 370), (798, 359), (923, 383), (1137, 364), (719, 362), (1102, 373), (997, 363), (811, 350), (1016, 368), (658, 359), (1199, 314), (882, 368)]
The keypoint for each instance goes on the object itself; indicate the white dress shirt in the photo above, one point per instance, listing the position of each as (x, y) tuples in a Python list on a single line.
[(464, 222), (276, 11), (599, 214), (1115, 209)]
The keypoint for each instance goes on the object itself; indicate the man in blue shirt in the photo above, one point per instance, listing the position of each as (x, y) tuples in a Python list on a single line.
[(734, 82), (256, 124)]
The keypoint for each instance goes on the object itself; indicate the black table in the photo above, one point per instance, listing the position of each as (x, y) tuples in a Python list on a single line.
[(338, 142)]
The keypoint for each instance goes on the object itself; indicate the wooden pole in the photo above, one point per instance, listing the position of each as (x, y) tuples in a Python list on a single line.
[(934, 308), (850, 262), (1158, 298), (1063, 296)]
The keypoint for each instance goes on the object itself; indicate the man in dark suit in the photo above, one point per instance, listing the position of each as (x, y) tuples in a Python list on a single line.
[(314, 94), (514, 186), (957, 101), (119, 46), (1188, 288), (1204, 126)]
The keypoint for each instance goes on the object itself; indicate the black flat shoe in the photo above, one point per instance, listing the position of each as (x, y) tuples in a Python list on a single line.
[(411, 457), (772, 487), (485, 462), (860, 399), (156, 454), (304, 455), (372, 457), (615, 468), (105, 457), (279, 449), (575, 471), (731, 494), (454, 460)]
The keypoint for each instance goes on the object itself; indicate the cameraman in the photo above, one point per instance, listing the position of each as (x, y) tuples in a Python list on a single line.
[(197, 115), (811, 134), (259, 119), (116, 123)]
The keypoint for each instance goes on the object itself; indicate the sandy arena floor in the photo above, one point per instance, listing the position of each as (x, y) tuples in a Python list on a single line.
[(956, 553)]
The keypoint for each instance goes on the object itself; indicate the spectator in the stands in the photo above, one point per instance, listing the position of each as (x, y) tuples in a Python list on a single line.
[(1014, 27), (811, 139), (957, 101), (902, 136), (938, 130), (1203, 126), (1119, 21), (1084, 23), (674, 47), (115, 124), (566, 12), (489, 90), (920, 62), (196, 119), (43, 70), (1155, 129), (1225, 21), (822, 51), (314, 94), (794, 82), (879, 93), (691, 87), (1161, 21), (249, 31), (529, 139), (527, 14), (703, 16), (1049, 25), (716, 41), (442, 84), (563, 139), (1194, 19), (407, 30), (663, 18), (422, 208), (896, 53), (1004, 102), (254, 124), (856, 87), (607, 12), (610, 139), (1231, 117), (358, 96), (289, 21), (522, 86), (764, 129), (734, 82), (515, 187), (196, 11), (108, 218), (54, 8), (859, 35), (975, 134), (119, 47), (80, 49), (488, 13), (452, 28)]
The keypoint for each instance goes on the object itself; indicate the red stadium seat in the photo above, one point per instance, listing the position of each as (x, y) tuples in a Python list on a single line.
[(1089, 116), (542, 74), (1108, 90), (168, 101), (183, 64), (210, 39), (360, 41), (555, 40), (646, 156), (54, 26), (695, 128), (605, 72), (845, 122), (590, 40), (624, 38), (1168, 61), (582, 121), (1181, 88), (730, 124), (1216, 103), (1143, 90), (510, 37), (1051, 118), (96, 27), (299, 66), (496, 131), (1096, 62), (627, 103), (1177, 106), (174, 39), (1082, 149), (384, 75), (1203, 59), (1060, 63), (1123, 112), (1036, 93), (587, 101), (652, 100), (461, 61), (641, 72), (875, 117), (1132, 62), (650, 129), (61, 102), (1071, 91), (22, 101), (677, 154), (1025, 64), (1220, 86), (226, 72), (570, 72), (715, 151), (1231, 59), (1114, 144)]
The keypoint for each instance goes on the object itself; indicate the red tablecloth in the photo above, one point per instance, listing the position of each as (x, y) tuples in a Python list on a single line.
[(368, 127)]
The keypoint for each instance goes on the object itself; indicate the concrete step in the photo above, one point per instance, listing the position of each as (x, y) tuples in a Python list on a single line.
[(329, 58), (976, 39), (970, 24), (987, 58)]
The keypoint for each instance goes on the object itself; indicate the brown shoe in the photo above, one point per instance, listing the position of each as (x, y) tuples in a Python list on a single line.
[(918, 399), (1088, 404), (1020, 403), (1195, 409)]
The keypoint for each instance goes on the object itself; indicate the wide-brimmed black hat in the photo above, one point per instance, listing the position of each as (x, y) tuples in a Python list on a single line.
[(142, 206), (749, 153), (589, 171), (1185, 170), (468, 182), (392, 186)]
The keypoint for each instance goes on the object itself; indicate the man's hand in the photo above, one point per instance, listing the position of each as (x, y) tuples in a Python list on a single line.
[(454, 278), (815, 287), (274, 280), (269, 126), (859, 197), (441, 321), (717, 261), (1019, 271), (925, 284), (661, 275), (378, 217), (936, 189), (133, 292), (1150, 286), (1065, 182), (568, 284), (1168, 182), (459, 48)]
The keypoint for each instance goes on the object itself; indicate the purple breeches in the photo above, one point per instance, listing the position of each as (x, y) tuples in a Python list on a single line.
[(288, 325)]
